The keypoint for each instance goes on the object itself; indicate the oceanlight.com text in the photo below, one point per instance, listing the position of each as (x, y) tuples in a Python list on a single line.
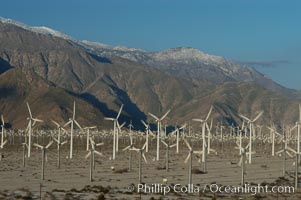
[(212, 188)]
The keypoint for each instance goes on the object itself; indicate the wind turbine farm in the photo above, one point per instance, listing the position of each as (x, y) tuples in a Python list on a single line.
[(206, 106)]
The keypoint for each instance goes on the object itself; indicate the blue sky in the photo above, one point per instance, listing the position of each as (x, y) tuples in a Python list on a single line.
[(264, 33)]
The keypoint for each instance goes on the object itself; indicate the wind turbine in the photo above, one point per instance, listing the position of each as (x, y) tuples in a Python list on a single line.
[(72, 121), (130, 148), (189, 157), (158, 120), (251, 124), (115, 122), (148, 131), (92, 153), (273, 132), (43, 148), (177, 132), (204, 126), (117, 135), (141, 155), (168, 146), (31, 122), (88, 134), (2, 131), (58, 142)]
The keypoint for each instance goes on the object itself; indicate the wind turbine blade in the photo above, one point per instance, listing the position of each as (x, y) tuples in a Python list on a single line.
[(294, 127), (64, 142), (29, 110), (2, 120), (1, 146), (34, 123), (189, 147), (50, 143), (126, 148), (208, 115), (271, 129), (122, 125), (64, 129), (155, 117), (164, 115), (208, 127), (26, 130), (245, 118), (198, 152), (69, 122), (98, 153), (197, 120), (171, 146), (73, 116), (144, 158), (77, 124), (37, 145), (55, 140), (37, 120), (182, 127), (164, 143), (108, 118), (187, 158), (143, 147), (240, 161), (134, 149), (243, 125), (99, 144), (120, 110), (57, 124), (91, 127), (257, 117), (87, 156), (144, 123), (92, 142), (292, 150), (288, 153)]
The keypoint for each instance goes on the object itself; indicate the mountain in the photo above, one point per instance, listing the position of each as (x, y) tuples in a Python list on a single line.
[(194, 64), (56, 70)]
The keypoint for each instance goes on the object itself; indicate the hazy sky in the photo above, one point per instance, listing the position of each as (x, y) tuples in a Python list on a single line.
[(263, 33)]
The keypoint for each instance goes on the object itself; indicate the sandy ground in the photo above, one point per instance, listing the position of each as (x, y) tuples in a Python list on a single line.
[(71, 181)]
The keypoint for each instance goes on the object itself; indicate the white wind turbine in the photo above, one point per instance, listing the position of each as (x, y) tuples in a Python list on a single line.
[(168, 146), (88, 135), (158, 120), (117, 134), (148, 131), (43, 148), (298, 126), (2, 131), (273, 132), (2, 144), (92, 153), (189, 157), (141, 155), (115, 123), (58, 142), (204, 127), (177, 132), (31, 122), (251, 124), (72, 121), (130, 148)]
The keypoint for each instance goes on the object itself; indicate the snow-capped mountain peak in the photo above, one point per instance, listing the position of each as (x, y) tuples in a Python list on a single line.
[(42, 30)]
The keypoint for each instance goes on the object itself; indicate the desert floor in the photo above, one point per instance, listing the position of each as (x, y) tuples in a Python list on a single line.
[(71, 181)]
